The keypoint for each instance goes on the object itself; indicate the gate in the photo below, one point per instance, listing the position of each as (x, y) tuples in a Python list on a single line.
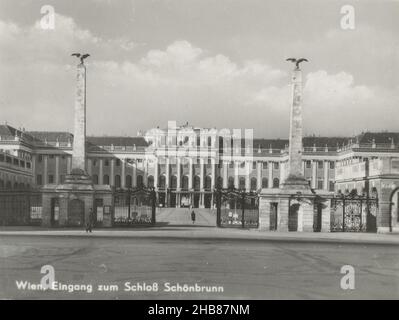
[(353, 213), (134, 207), (237, 208)]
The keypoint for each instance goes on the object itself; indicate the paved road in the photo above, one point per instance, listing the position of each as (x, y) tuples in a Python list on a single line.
[(182, 217), (245, 269)]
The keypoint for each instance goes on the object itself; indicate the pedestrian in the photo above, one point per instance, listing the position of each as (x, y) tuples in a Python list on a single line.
[(193, 216), (89, 223)]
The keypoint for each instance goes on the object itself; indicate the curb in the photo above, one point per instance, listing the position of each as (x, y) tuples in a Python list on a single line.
[(205, 237)]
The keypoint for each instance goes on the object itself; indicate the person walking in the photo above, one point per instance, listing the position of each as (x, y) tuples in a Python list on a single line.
[(89, 223), (193, 216)]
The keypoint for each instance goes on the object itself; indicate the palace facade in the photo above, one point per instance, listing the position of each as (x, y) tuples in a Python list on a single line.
[(185, 163)]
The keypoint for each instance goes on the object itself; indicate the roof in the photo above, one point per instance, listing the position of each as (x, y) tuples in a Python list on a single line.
[(378, 137), (53, 136), (117, 141)]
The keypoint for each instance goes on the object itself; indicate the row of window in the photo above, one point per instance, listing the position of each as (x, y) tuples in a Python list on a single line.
[(15, 161), (8, 185)]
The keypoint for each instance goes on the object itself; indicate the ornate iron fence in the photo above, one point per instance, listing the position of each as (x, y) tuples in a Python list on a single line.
[(237, 208), (353, 213), (134, 207)]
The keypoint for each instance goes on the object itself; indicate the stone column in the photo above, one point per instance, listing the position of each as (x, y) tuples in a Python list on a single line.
[(167, 173), (100, 172), (57, 169), (225, 176), (295, 138), (156, 173), (190, 174), (326, 216), (69, 164), (247, 171), (89, 164), (236, 180), (326, 175), (314, 174), (134, 166), (202, 174), (112, 174), (270, 171), (45, 178), (123, 173), (178, 173), (213, 174), (79, 137), (259, 175)]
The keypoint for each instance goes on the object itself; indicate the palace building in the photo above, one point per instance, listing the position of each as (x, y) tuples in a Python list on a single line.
[(185, 166)]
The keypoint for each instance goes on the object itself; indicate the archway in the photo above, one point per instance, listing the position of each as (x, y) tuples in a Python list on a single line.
[(293, 217), (76, 213)]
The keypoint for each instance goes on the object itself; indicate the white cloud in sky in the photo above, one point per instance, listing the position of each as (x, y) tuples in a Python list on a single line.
[(179, 82)]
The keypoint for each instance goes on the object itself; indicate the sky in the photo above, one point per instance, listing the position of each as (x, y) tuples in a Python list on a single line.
[(218, 63)]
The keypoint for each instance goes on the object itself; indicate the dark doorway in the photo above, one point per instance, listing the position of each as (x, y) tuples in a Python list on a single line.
[(207, 200), (196, 200), (99, 211), (273, 216), (76, 213), (162, 199), (55, 210), (293, 217), (173, 200), (317, 218)]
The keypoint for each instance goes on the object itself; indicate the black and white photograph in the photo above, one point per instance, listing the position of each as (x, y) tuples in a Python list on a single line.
[(217, 151)]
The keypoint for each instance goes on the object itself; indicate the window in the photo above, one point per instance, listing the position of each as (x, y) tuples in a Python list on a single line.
[(254, 165), (320, 164), (208, 183), (50, 178), (106, 179), (319, 184), (106, 163), (118, 181), (128, 181), (28, 165), (242, 164), (265, 183), (253, 184), (150, 180), (276, 165), (264, 165), (62, 178), (242, 183), (118, 162), (308, 164), (332, 165), (197, 183), (139, 181), (219, 182), (331, 185), (276, 183), (40, 158), (94, 162), (231, 164), (51, 156), (209, 142), (185, 183), (173, 182), (231, 183), (39, 180)]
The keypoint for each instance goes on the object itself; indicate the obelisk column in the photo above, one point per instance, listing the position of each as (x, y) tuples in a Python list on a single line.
[(295, 139), (79, 137)]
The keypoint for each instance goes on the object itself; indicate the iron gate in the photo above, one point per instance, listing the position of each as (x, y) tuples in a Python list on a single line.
[(237, 208), (134, 207), (353, 214)]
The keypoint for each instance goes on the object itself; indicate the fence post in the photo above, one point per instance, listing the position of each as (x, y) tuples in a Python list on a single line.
[(242, 208), (218, 206), (153, 198)]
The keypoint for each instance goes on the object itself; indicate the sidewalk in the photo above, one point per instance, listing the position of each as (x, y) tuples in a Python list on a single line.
[(207, 233)]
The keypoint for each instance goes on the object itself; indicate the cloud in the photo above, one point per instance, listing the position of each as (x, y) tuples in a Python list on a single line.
[(181, 82)]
